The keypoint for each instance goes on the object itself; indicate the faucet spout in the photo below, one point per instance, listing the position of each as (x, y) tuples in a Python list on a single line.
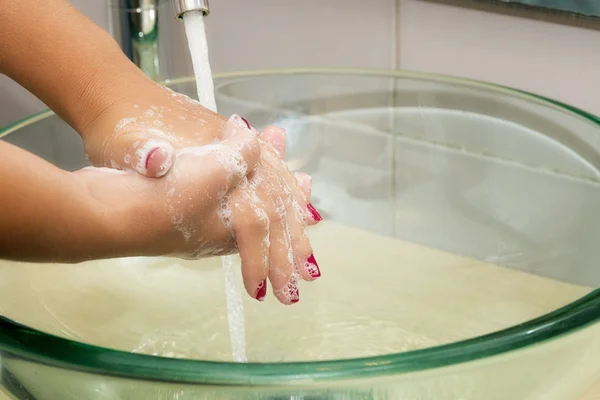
[(183, 6)]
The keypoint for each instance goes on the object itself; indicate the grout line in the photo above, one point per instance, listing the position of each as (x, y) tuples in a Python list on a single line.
[(397, 34), (394, 100)]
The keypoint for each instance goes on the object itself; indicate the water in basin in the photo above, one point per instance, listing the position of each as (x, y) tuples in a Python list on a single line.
[(424, 297)]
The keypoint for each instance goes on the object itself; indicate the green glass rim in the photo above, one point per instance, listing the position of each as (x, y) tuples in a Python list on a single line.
[(17, 340)]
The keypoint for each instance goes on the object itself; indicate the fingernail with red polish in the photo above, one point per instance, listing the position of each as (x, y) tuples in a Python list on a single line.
[(239, 121), (313, 211), (247, 123), (235, 121), (151, 152), (261, 291), (312, 267), (159, 160), (249, 126), (293, 291)]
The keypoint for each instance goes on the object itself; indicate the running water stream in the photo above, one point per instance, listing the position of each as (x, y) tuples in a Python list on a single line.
[(198, 45)]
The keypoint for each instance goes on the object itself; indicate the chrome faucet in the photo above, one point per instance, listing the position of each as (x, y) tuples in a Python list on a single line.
[(134, 24), (183, 6)]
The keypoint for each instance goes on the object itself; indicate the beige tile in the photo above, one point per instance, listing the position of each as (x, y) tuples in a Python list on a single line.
[(308, 33), (259, 34), (554, 60), (96, 10)]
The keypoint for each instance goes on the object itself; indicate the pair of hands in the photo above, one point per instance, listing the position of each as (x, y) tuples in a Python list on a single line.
[(205, 186)]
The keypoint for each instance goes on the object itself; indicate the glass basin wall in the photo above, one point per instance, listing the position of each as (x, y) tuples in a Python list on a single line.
[(427, 159), (465, 167), (444, 164), (561, 369)]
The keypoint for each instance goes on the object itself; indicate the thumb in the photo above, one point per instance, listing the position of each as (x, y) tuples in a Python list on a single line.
[(150, 157), (276, 137)]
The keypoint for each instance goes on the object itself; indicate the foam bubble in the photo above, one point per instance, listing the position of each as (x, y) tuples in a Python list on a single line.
[(122, 123), (290, 291), (232, 161), (225, 214)]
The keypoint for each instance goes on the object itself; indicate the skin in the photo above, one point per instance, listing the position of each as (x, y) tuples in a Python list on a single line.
[(172, 177)]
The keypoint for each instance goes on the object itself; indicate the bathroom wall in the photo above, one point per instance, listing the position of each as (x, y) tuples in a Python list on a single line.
[(263, 34), (551, 59)]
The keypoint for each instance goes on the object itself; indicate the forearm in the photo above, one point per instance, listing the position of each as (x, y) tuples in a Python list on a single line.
[(64, 59), (46, 216)]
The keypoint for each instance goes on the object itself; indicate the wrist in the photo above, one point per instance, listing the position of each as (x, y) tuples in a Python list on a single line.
[(112, 80), (128, 218)]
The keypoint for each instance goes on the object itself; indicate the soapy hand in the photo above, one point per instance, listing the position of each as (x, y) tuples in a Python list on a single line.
[(261, 210)]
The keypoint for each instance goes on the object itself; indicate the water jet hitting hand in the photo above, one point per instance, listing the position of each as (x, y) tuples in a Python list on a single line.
[(192, 183)]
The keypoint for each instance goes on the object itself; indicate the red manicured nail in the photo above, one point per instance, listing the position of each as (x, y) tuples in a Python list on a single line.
[(312, 267), (295, 296), (313, 211), (293, 292), (149, 156), (261, 291), (246, 121)]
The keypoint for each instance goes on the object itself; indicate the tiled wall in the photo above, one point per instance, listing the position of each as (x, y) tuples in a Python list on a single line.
[(263, 34), (554, 60)]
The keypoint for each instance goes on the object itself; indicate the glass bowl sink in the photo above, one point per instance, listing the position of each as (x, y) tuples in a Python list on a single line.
[(459, 257)]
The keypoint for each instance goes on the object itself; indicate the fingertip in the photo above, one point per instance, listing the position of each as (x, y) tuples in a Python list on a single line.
[(159, 162), (236, 125), (261, 291), (312, 267), (276, 137), (289, 294), (153, 158), (255, 286)]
